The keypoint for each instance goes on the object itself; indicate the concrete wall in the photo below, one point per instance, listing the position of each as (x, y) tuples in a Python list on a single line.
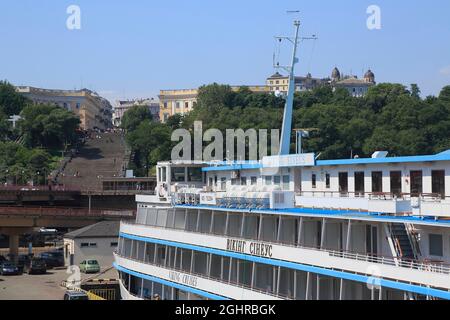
[(102, 252)]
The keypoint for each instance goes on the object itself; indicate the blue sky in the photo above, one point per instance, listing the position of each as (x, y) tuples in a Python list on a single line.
[(128, 49)]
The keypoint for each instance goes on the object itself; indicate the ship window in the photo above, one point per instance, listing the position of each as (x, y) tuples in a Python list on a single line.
[(219, 222), (438, 182), (269, 228), (253, 181), (177, 174), (286, 285), (161, 218), (191, 222), (186, 259), (396, 183), (245, 272), (314, 180), (195, 174), (416, 183), (435, 245), (343, 183), (268, 180), (359, 184), (327, 181), (251, 226), (234, 225), (200, 262), (377, 181), (223, 183), (179, 219), (265, 277), (205, 221), (150, 253), (277, 180), (286, 181), (215, 266)]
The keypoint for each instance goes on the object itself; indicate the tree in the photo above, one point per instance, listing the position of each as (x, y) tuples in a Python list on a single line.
[(19, 164), (150, 142), (445, 94), (175, 121), (48, 126), (415, 91), (11, 102), (133, 117)]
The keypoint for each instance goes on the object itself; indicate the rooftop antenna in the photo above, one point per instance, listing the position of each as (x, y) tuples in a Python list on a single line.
[(287, 116)]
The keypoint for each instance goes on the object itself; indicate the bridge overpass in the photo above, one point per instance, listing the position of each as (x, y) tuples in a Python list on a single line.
[(18, 220)]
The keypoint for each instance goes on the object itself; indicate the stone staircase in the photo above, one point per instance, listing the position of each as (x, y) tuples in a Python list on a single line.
[(102, 156)]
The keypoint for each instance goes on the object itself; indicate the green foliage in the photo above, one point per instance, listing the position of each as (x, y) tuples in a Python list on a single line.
[(11, 102), (388, 118), (150, 142), (133, 117), (20, 165), (48, 126)]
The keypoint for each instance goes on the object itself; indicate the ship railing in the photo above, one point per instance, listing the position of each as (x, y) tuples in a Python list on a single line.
[(203, 276), (431, 197), (424, 265)]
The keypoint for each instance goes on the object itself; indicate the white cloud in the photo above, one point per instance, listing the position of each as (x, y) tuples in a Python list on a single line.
[(445, 71)]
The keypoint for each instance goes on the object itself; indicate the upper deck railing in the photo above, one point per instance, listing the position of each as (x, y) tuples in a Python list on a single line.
[(374, 195), (429, 266)]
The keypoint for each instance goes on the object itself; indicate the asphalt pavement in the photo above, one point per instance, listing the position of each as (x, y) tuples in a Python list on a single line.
[(41, 287)]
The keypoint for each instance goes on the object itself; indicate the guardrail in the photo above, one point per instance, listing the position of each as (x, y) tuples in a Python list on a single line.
[(428, 266), (66, 212), (372, 195), (230, 282), (47, 188)]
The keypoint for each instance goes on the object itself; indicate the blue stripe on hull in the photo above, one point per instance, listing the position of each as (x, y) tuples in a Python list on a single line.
[(301, 267)]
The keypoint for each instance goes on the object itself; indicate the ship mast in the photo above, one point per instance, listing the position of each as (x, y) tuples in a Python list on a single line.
[(286, 129), (285, 143)]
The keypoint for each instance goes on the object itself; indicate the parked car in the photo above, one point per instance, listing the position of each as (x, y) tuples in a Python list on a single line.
[(36, 266), (89, 266), (53, 259), (8, 268), (22, 261), (75, 295)]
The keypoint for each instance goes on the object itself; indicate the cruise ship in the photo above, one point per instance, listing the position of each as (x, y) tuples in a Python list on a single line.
[(291, 226)]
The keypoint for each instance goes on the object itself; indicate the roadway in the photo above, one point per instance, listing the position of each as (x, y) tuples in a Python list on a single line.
[(41, 287)]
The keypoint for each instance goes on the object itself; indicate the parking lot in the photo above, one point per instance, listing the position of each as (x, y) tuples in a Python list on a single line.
[(41, 287)]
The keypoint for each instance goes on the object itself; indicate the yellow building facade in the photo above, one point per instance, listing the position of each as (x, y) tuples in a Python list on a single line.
[(93, 110), (182, 101)]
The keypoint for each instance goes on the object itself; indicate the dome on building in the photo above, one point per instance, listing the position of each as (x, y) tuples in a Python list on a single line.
[(369, 76), (335, 74)]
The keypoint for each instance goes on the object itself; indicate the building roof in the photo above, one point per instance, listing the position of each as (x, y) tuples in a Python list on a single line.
[(443, 156), (103, 229), (277, 75), (353, 81)]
